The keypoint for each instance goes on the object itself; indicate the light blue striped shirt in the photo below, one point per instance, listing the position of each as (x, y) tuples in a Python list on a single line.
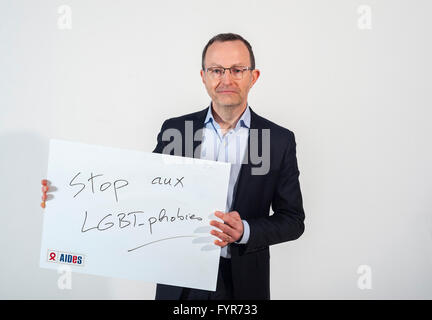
[(231, 148)]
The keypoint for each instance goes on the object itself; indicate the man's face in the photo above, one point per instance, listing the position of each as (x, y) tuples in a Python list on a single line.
[(227, 91)]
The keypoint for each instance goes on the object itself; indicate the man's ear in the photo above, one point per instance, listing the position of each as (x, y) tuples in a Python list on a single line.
[(202, 75), (255, 75)]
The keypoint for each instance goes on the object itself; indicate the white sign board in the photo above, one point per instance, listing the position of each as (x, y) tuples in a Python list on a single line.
[(131, 214)]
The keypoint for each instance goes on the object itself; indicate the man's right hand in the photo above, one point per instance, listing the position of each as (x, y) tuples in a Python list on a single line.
[(45, 189)]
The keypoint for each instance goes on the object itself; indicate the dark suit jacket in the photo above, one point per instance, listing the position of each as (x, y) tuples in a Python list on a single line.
[(254, 195)]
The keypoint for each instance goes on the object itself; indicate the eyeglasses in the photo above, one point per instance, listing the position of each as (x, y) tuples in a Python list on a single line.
[(217, 73)]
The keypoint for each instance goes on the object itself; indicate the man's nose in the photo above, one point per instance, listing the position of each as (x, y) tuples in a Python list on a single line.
[(227, 77)]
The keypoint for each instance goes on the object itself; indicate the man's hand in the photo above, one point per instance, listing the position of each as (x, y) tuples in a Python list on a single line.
[(232, 228), (45, 188)]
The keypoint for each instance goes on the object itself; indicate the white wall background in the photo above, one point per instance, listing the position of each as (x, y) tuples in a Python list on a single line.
[(359, 101)]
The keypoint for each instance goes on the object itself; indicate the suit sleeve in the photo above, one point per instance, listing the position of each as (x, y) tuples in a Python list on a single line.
[(287, 221), (160, 144)]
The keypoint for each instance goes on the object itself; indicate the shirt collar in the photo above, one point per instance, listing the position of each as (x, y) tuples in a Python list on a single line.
[(244, 120)]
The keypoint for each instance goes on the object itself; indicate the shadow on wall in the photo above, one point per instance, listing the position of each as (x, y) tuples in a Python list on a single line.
[(23, 164)]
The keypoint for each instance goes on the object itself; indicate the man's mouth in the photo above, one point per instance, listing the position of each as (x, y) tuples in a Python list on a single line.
[(226, 91)]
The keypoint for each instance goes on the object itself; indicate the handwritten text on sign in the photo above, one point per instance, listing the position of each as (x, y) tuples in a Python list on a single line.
[(112, 202)]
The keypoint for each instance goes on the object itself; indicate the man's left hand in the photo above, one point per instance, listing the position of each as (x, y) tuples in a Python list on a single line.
[(232, 228)]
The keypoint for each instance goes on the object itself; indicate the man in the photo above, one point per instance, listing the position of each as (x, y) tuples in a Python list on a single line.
[(232, 128), (232, 132)]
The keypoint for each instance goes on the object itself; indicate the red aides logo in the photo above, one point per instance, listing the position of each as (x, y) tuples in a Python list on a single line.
[(65, 258)]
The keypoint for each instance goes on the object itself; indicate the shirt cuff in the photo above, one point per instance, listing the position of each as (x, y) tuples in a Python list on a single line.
[(246, 232)]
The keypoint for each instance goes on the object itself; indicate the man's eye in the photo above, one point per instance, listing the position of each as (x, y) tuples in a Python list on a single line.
[(236, 70), (217, 71)]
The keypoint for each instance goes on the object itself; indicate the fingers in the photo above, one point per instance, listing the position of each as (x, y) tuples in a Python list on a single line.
[(231, 229), (225, 228), (224, 239), (223, 236), (220, 243), (230, 217), (45, 188)]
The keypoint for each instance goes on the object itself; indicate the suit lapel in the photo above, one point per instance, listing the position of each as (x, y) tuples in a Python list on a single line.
[(246, 168), (192, 134), (240, 192)]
